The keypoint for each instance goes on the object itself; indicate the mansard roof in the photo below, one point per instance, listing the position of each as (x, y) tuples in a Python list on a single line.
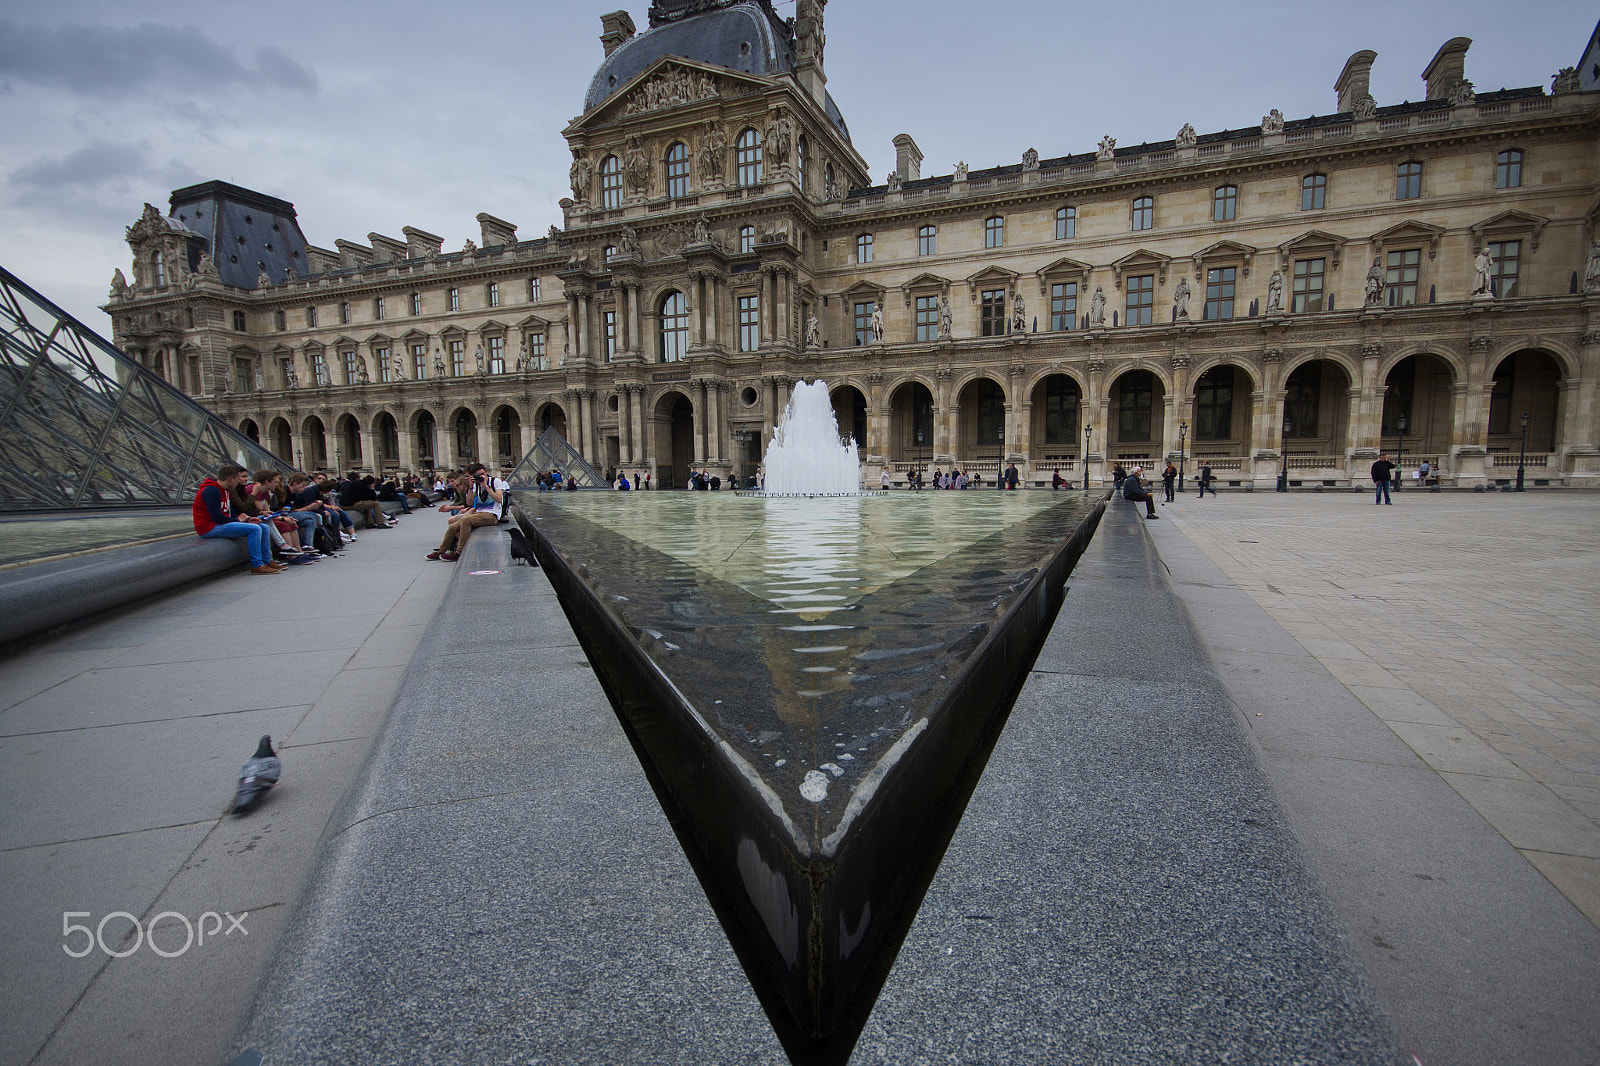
[(247, 233)]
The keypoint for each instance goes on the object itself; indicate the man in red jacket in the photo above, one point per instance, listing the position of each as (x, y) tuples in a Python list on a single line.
[(213, 518)]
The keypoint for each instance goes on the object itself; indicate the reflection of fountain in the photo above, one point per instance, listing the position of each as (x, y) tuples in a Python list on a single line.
[(806, 457)]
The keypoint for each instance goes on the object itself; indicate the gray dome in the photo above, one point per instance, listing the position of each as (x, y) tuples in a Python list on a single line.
[(745, 37)]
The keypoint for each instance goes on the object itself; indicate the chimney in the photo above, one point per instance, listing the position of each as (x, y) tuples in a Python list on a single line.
[(386, 249), (1448, 69), (618, 30), (352, 254), (496, 231), (907, 157), (1354, 81), (420, 244)]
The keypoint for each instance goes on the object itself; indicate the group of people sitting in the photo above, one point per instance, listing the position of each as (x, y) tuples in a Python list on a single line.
[(552, 481), (953, 479), (287, 524)]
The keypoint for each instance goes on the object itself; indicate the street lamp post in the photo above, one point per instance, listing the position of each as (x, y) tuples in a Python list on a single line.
[(1088, 431), (1400, 454), (1283, 446), (1522, 458), (1183, 432)]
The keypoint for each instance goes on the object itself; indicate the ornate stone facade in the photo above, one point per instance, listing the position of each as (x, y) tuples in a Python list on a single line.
[(725, 241)]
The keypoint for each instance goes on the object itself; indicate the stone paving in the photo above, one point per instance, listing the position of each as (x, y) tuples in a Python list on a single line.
[(1466, 623)]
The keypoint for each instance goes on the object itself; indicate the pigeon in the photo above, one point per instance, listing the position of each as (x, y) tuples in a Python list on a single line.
[(520, 548), (257, 775)]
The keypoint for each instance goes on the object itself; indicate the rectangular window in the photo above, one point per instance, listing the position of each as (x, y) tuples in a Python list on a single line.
[(493, 294), (994, 232), (749, 323), (416, 303), (610, 323), (1225, 203), (1141, 301), (1219, 294), (1508, 169), (1144, 213), (1063, 305), (497, 355), (1308, 278), (992, 307), (377, 307), (864, 248), (244, 379), (280, 321), (319, 368), (1066, 223), (344, 313), (927, 318), (349, 367), (864, 321), (927, 240), (537, 359), (1507, 256), (455, 299), (533, 290), (458, 358), (381, 357), (1313, 192), (1408, 181), (311, 316), (1400, 288), (419, 362)]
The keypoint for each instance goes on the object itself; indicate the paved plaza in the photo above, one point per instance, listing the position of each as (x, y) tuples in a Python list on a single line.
[(1466, 623)]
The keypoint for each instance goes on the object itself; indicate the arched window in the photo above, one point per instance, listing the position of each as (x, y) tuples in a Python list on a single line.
[(747, 238), (1508, 169), (994, 232), (610, 182), (1313, 192), (1225, 203), (747, 157), (674, 327), (158, 270), (466, 435), (864, 248), (678, 171), (1408, 181), (803, 155), (1144, 213), (1066, 223)]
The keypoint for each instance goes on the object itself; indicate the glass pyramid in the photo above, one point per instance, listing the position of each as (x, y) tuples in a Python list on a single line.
[(552, 452), (84, 426)]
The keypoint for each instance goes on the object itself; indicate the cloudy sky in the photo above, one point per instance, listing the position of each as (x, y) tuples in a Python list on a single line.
[(370, 117)]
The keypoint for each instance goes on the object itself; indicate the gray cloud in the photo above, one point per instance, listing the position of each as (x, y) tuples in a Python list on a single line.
[(100, 59), (95, 179)]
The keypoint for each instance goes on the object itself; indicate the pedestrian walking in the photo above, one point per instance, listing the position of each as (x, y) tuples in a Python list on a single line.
[(1382, 474), (1169, 481), (1205, 480)]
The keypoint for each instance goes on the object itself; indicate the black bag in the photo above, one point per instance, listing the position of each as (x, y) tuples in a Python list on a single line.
[(323, 541)]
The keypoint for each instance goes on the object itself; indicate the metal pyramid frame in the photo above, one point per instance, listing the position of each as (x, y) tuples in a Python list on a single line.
[(551, 450), (84, 426)]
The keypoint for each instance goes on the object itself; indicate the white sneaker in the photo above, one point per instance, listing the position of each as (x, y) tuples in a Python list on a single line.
[(351, 536)]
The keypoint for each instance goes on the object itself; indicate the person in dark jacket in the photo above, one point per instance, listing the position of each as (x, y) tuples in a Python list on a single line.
[(1382, 474), (1169, 481), (1205, 480), (1117, 476), (1133, 489)]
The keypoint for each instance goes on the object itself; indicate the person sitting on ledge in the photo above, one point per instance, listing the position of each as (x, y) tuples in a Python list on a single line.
[(213, 519), (1133, 489), (485, 494)]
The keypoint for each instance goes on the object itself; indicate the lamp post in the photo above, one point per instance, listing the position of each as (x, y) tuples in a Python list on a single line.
[(1088, 430), (1283, 446), (1522, 458), (1400, 454), (1183, 432)]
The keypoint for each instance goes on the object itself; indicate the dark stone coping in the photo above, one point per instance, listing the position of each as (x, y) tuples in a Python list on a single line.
[(44, 595), (500, 884)]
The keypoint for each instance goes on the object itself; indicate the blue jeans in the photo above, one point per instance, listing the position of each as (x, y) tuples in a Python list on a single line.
[(1382, 495), (253, 533)]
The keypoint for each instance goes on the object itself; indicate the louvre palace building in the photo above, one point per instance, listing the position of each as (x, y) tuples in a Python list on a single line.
[(1296, 294)]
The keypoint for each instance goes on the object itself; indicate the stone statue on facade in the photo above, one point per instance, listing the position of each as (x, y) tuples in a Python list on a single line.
[(477, 358), (1275, 293), (702, 230), (713, 150), (1565, 80), (1180, 301), (1186, 138), (779, 140), (119, 285), (207, 267), (292, 379), (1376, 279), (1462, 94), (1108, 148), (636, 167), (438, 363), (263, 280), (361, 370), (1272, 121), (1365, 108), (1019, 313), (1097, 308), (894, 181), (813, 332), (397, 366), (522, 357), (1030, 159), (945, 318), (260, 379), (554, 234), (628, 243), (580, 173), (961, 170), (1591, 270), (1483, 275), (877, 325)]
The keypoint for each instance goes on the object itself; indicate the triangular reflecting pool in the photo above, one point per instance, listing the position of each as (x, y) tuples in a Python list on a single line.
[(813, 687)]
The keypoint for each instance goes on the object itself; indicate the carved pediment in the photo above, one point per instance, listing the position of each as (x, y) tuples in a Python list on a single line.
[(1063, 268), (1136, 261), (1309, 242), (1224, 251), (533, 322), (379, 339), (863, 290), (671, 81), (1409, 232), (492, 326), (924, 283), (1509, 224)]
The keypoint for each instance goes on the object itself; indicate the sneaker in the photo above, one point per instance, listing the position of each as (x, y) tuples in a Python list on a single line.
[(351, 536), (301, 560), (1152, 516), (449, 557), (268, 569), (436, 553)]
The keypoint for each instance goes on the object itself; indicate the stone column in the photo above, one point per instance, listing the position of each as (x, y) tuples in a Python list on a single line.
[(716, 432), (944, 415), (769, 308), (574, 418), (877, 442), (714, 289), (636, 322), (697, 330), (1367, 418)]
